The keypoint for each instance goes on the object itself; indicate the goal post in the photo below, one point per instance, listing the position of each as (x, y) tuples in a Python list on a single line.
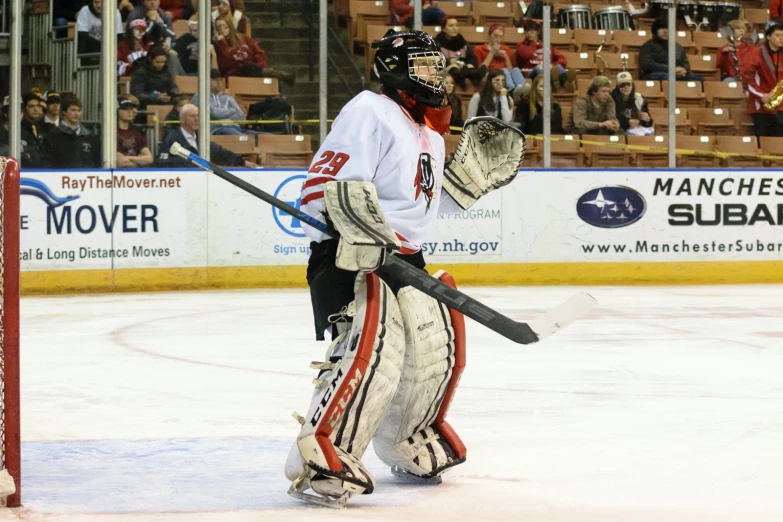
[(10, 437)]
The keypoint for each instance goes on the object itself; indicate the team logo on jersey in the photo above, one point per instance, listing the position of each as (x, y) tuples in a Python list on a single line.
[(425, 178)]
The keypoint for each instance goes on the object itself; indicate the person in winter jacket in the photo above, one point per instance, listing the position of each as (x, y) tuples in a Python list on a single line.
[(530, 113), (461, 61), (495, 55), (402, 12), (72, 145), (530, 57), (630, 106), (762, 71), (134, 46), (90, 27), (222, 107), (493, 100), (33, 130), (594, 113), (654, 57), (152, 81), (177, 9), (724, 60), (240, 55), (226, 9)]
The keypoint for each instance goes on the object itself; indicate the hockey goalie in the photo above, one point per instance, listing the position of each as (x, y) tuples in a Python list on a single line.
[(394, 364)]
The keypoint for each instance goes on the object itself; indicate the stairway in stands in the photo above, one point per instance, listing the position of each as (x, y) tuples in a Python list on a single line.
[(287, 42)]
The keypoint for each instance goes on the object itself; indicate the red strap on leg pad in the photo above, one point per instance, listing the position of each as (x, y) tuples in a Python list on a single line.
[(414, 434)]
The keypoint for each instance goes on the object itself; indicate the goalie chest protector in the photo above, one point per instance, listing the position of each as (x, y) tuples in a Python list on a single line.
[(374, 139)]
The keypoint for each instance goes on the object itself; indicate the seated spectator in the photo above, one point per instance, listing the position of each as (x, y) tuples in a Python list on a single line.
[(88, 25), (239, 55), (125, 7), (654, 57), (152, 81), (158, 23), (186, 47), (402, 12), (530, 57), (187, 136), (594, 113), (71, 145), (455, 103), (461, 61), (530, 113), (495, 55), (132, 47), (493, 100), (177, 9), (227, 10), (222, 107), (132, 149), (178, 101), (33, 131), (725, 61), (631, 107), (52, 116)]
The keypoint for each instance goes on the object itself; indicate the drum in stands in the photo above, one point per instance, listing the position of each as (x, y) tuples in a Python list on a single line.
[(728, 11), (575, 17), (687, 8), (709, 11), (611, 18), (659, 8)]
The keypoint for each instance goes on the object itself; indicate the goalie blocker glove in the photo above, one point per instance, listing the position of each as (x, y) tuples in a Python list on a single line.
[(365, 236), (488, 157)]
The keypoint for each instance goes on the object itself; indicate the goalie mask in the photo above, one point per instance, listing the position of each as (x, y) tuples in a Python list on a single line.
[(411, 62)]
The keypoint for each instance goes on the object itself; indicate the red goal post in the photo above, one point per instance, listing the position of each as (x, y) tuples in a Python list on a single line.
[(10, 440)]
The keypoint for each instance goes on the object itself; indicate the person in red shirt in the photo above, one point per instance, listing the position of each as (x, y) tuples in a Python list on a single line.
[(775, 9), (177, 9), (240, 55), (761, 73), (134, 46), (132, 149), (530, 56), (402, 12), (725, 62), (495, 55)]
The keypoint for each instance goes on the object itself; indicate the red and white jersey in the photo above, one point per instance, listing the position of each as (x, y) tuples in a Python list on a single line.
[(375, 139)]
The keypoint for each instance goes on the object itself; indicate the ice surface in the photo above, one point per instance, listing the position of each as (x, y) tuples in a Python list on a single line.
[(664, 404)]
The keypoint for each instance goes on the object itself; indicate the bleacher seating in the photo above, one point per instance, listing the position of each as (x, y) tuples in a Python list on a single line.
[(284, 150)]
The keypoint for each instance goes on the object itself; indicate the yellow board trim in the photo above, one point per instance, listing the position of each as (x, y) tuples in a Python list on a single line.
[(504, 274)]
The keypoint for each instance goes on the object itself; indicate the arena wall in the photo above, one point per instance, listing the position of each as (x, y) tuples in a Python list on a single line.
[(102, 230)]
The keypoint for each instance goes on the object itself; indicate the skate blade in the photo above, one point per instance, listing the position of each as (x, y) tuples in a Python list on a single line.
[(321, 500), (415, 479)]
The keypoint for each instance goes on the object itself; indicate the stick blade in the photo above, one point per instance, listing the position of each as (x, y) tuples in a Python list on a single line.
[(561, 316)]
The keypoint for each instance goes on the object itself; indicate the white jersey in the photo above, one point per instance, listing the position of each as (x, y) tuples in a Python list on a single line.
[(375, 139)]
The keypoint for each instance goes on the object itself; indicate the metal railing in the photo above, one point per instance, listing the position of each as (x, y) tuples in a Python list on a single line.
[(39, 31), (5, 17)]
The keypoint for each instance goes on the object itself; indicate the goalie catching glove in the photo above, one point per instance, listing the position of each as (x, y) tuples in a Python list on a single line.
[(365, 236), (488, 157)]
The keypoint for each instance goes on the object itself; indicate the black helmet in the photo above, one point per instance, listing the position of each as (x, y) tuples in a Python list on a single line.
[(398, 62)]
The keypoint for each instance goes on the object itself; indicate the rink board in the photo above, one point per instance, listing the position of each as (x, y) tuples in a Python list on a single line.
[(156, 229)]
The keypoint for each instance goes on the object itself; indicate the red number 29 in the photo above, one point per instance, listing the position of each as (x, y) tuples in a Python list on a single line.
[(335, 161)]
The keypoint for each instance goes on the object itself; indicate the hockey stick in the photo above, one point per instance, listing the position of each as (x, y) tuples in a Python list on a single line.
[(519, 332)]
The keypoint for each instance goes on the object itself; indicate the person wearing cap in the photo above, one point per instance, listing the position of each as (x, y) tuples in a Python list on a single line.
[(187, 137), (495, 55), (132, 149), (530, 57), (71, 145), (186, 47), (222, 107), (33, 131), (654, 57), (226, 9), (52, 116), (631, 107), (594, 112), (133, 46), (762, 71)]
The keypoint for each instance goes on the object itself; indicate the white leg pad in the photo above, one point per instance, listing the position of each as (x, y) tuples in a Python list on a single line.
[(356, 386), (414, 435)]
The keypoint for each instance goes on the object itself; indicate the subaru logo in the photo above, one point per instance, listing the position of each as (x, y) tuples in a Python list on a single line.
[(611, 207), (290, 191)]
